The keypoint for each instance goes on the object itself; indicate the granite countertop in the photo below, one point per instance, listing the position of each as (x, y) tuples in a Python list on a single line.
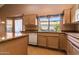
[(10, 36)]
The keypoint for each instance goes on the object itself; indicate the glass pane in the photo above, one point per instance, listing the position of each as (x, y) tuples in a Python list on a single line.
[(45, 24), (9, 25), (55, 26), (52, 28), (43, 19), (18, 25), (54, 19), (44, 27)]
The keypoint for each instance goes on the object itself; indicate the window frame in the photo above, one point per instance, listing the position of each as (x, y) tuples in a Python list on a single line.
[(49, 21)]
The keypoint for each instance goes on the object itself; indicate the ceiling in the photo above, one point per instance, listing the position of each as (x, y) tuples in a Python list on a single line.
[(40, 9)]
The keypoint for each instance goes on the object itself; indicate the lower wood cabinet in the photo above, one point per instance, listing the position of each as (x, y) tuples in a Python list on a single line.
[(71, 48), (75, 50), (62, 41), (53, 42), (41, 40), (49, 41)]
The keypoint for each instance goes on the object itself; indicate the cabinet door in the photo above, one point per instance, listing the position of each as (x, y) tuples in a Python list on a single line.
[(26, 19), (53, 42), (29, 19), (66, 17), (61, 41), (69, 48), (41, 41), (75, 51)]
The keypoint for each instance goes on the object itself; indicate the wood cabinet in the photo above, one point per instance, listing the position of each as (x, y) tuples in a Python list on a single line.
[(58, 41), (29, 19), (73, 12), (72, 49), (15, 46), (53, 42), (42, 40), (2, 25), (67, 16), (49, 40), (75, 50), (63, 41)]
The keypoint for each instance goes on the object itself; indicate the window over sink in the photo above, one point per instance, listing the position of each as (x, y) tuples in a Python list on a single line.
[(49, 23)]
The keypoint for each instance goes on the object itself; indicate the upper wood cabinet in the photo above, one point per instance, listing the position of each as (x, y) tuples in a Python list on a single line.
[(29, 19), (67, 16), (73, 13)]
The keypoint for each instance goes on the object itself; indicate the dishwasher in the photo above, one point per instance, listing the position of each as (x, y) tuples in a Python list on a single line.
[(33, 38)]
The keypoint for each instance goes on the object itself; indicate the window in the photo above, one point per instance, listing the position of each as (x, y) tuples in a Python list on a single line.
[(14, 25), (43, 24), (51, 23), (18, 25), (9, 25)]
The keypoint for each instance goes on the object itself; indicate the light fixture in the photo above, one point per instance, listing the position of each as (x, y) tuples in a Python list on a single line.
[(2, 22)]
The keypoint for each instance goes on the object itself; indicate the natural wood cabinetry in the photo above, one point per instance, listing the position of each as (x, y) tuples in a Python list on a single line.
[(42, 41), (58, 41), (72, 49), (69, 48), (63, 41), (53, 42), (29, 19), (15, 46), (2, 25), (67, 16), (75, 50), (50, 40), (73, 11)]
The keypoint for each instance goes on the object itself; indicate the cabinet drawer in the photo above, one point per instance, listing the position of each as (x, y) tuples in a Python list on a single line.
[(75, 50)]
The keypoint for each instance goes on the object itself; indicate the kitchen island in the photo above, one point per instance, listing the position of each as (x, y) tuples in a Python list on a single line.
[(13, 44)]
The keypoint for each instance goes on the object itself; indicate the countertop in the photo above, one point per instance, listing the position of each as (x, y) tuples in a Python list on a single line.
[(10, 36)]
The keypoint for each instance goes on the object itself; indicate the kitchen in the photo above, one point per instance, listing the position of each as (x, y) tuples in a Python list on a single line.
[(47, 26)]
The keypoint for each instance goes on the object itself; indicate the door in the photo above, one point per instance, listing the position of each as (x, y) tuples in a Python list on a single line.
[(18, 25)]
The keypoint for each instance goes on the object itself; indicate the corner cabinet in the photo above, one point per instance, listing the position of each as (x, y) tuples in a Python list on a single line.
[(67, 16)]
